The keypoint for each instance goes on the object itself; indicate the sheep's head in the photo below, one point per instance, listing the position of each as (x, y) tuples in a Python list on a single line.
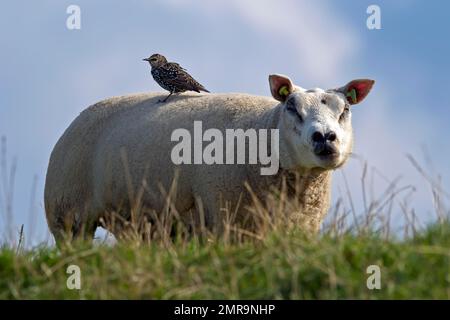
[(315, 125)]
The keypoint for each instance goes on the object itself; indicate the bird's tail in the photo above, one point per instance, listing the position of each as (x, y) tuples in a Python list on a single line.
[(201, 88)]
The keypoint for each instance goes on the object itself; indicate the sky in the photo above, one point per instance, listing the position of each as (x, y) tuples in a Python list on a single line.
[(49, 74)]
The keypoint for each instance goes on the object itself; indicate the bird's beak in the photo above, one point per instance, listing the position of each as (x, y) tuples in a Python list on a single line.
[(146, 59)]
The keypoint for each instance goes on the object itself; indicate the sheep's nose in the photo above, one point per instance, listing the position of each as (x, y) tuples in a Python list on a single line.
[(330, 136), (319, 137), (323, 144)]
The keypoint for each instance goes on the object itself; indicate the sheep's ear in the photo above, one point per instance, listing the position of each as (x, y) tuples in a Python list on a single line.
[(280, 86), (355, 91)]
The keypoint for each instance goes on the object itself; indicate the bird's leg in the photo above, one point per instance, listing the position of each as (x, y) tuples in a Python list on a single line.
[(165, 99)]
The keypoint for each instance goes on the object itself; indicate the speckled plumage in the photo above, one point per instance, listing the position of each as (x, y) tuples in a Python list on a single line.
[(172, 77)]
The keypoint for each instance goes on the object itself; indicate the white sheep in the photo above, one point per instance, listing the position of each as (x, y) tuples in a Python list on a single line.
[(122, 145)]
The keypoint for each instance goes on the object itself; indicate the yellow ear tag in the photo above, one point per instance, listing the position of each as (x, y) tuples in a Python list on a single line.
[(283, 91), (352, 95)]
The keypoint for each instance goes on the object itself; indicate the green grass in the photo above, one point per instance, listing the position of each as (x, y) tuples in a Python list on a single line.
[(285, 265)]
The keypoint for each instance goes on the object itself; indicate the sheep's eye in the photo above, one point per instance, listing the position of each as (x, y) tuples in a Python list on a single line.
[(290, 106), (345, 113)]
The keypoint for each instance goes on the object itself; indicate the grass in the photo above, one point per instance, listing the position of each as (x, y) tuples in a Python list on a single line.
[(282, 266), (277, 262)]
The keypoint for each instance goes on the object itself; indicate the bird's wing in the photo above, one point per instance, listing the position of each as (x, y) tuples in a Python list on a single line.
[(171, 71), (174, 65), (177, 76)]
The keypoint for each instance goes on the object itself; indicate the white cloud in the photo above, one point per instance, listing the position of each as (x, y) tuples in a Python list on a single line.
[(323, 42)]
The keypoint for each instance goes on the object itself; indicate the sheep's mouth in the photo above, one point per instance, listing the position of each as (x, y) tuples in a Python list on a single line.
[(325, 149), (326, 152)]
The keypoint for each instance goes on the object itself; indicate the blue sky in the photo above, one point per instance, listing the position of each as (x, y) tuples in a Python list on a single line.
[(49, 74)]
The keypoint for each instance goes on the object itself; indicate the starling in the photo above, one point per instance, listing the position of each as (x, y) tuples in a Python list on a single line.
[(171, 76)]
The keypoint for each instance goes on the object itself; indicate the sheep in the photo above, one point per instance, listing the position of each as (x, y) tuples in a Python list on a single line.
[(121, 145)]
